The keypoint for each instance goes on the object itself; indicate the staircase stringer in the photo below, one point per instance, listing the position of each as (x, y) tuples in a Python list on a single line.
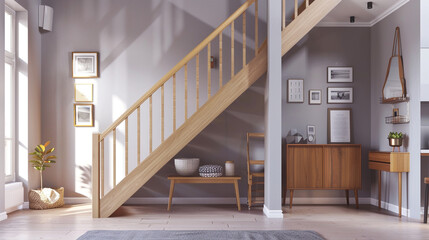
[(183, 135)]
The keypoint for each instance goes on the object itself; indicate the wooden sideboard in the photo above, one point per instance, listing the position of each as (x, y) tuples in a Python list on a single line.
[(324, 167)]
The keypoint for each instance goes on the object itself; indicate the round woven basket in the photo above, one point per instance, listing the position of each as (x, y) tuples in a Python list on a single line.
[(39, 201)]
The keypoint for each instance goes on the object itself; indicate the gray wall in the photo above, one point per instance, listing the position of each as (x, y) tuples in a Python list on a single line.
[(139, 42), (408, 19), (309, 60)]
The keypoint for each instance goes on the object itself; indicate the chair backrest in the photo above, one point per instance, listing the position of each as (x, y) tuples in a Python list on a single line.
[(249, 161)]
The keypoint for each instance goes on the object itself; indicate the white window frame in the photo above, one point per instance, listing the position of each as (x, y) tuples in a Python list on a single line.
[(10, 58)]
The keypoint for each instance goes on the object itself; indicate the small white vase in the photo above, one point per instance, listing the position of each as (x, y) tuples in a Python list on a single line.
[(229, 168)]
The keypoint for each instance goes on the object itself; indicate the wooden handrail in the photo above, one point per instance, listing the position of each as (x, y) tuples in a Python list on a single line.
[(178, 66)]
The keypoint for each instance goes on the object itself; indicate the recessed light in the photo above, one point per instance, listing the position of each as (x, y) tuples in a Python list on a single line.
[(352, 19), (369, 5)]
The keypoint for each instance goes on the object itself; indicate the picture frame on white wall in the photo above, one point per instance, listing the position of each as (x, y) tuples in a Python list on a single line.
[(85, 64), (340, 95), (83, 115), (295, 90), (340, 74), (315, 97), (83, 92)]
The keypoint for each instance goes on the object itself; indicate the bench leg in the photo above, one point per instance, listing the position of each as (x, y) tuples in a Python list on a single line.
[(426, 204), (170, 197), (237, 195)]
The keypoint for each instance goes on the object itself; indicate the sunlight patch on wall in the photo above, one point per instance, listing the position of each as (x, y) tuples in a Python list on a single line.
[(23, 126), (23, 42)]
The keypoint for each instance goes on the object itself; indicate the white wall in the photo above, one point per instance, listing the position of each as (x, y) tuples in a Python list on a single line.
[(2, 163), (408, 19)]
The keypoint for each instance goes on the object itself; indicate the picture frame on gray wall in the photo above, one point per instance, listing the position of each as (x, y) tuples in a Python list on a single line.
[(340, 125), (314, 97), (340, 74), (340, 95), (295, 90)]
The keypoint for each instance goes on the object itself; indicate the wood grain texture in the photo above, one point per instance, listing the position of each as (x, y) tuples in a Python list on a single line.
[(283, 14), (174, 102), (244, 39), (209, 71), (138, 136), (150, 124), (304, 167), (102, 168), (95, 175), (178, 66), (389, 161), (232, 50), (162, 114), (298, 28), (183, 135), (220, 61), (186, 91), (114, 157), (197, 84), (256, 28), (126, 146), (342, 167), (296, 9)]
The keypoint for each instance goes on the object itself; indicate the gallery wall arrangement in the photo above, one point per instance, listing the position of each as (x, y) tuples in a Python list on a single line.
[(85, 66), (339, 119)]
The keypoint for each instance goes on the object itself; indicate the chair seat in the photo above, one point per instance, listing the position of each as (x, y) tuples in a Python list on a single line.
[(427, 180), (257, 174)]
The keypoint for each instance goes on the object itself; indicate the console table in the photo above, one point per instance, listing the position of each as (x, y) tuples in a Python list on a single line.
[(322, 167), (231, 180), (390, 162)]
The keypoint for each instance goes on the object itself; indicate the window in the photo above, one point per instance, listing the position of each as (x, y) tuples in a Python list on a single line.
[(9, 94)]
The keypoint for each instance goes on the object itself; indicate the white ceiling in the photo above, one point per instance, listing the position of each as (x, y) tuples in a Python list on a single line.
[(340, 16)]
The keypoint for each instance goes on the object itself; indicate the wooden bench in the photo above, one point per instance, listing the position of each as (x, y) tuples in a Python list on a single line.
[(231, 180)]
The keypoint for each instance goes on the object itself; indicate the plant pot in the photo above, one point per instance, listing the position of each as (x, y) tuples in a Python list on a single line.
[(46, 199), (395, 142)]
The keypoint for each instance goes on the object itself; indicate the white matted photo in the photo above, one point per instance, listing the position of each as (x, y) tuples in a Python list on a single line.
[(340, 74), (315, 96), (339, 125), (340, 95), (83, 115), (295, 90), (83, 92), (85, 64)]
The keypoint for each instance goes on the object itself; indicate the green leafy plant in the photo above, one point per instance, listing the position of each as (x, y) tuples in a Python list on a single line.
[(41, 160), (395, 135)]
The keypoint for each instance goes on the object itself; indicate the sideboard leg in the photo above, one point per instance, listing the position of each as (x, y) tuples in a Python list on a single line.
[(379, 189), (290, 199), (357, 198)]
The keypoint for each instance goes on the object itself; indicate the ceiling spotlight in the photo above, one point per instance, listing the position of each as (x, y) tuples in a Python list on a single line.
[(369, 5), (352, 19)]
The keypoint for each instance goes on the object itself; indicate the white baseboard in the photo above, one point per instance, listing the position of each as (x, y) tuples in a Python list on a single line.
[(3, 216), (391, 207), (328, 201), (272, 213)]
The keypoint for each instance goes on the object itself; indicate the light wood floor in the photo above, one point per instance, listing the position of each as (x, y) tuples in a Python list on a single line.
[(333, 222)]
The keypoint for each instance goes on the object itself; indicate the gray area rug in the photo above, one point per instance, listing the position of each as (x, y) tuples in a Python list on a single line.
[(201, 235)]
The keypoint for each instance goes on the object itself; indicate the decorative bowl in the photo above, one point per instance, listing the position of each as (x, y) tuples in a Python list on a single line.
[(211, 171), (395, 142), (186, 166)]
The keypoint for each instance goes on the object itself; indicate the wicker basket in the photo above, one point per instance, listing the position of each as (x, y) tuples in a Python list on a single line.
[(39, 201)]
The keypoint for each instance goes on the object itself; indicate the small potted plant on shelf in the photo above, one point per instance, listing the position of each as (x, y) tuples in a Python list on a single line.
[(44, 198), (395, 139)]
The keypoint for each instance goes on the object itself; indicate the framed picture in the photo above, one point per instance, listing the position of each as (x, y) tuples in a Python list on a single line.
[(83, 115), (340, 95), (295, 90), (314, 97), (340, 74), (85, 64), (83, 92), (339, 125)]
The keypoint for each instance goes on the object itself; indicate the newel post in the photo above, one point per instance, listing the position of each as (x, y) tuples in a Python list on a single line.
[(95, 175)]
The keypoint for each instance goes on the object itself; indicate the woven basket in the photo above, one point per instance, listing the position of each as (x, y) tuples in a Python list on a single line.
[(39, 201)]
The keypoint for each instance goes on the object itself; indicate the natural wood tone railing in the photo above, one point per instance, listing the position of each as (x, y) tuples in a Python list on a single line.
[(160, 86), (105, 204)]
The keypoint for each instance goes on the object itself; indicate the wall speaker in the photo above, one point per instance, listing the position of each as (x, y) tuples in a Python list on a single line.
[(46, 16)]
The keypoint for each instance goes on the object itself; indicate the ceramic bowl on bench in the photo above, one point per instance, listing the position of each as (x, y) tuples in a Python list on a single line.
[(186, 166)]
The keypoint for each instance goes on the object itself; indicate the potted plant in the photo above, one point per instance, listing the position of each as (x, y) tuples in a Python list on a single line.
[(395, 139), (44, 198)]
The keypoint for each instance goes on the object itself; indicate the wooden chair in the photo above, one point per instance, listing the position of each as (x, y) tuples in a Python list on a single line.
[(253, 178), (426, 200)]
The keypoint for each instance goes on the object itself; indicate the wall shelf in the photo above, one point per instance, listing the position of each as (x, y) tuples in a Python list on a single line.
[(395, 100), (401, 119)]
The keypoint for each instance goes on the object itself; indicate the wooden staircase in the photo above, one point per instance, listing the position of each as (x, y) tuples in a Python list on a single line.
[(104, 204)]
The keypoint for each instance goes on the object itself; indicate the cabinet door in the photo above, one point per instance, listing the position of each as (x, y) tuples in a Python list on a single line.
[(304, 167), (342, 167)]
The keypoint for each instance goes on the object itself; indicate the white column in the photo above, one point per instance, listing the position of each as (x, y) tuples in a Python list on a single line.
[(273, 109), (2, 148)]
